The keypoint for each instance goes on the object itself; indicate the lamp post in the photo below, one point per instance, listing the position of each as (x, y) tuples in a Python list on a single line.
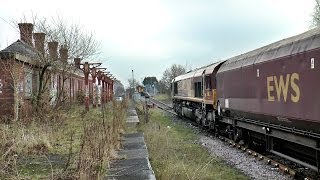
[(86, 84), (99, 89), (94, 93), (103, 89), (86, 70), (111, 80), (109, 87), (99, 77)]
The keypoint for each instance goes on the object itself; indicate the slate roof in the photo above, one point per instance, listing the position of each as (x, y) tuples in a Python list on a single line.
[(20, 47)]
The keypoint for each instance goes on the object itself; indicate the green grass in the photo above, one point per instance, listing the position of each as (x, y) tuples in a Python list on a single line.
[(175, 154)]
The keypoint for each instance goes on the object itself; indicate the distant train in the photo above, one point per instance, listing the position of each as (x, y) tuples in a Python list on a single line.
[(268, 97)]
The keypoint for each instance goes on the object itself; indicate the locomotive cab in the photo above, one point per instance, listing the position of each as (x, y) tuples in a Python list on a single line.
[(210, 85), (194, 94)]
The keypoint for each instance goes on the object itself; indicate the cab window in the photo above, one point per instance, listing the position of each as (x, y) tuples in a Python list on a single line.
[(198, 89), (208, 82)]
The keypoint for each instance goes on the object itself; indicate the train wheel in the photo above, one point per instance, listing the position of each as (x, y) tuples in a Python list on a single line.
[(218, 108), (211, 120), (211, 125), (204, 120), (179, 111), (238, 135), (229, 132)]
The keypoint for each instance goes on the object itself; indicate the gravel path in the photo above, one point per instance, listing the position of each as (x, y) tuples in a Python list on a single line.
[(247, 164)]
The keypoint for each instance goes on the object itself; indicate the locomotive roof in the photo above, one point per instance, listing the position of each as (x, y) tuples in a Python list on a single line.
[(297, 44), (184, 76), (198, 72)]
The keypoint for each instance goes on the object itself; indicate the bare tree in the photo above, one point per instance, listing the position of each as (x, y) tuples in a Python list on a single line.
[(80, 43), (168, 75), (316, 15)]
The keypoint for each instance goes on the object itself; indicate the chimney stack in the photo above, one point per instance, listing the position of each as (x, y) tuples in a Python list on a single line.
[(53, 50), (39, 41), (26, 32), (63, 54), (77, 62)]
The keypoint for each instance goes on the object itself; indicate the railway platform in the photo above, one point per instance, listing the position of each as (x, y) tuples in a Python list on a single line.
[(133, 162)]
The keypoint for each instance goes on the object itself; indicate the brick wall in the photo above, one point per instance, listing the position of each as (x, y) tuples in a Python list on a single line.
[(7, 69)]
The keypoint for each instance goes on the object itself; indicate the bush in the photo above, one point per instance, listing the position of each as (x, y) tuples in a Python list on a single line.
[(80, 97)]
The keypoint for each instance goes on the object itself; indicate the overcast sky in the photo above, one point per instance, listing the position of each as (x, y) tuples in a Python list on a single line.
[(149, 36)]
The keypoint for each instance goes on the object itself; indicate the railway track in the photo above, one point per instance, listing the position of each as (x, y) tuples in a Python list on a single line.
[(163, 106), (258, 156)]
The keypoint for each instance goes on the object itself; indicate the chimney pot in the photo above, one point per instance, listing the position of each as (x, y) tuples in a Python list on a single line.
[(63, 54), (77, 62), (26, 32), (39, 41), (53, 50)]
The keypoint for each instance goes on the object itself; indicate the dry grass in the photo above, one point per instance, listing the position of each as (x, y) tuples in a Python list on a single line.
[(175, 153), (62, 144)]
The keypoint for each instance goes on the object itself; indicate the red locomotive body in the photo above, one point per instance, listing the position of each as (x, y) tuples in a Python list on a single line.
[(278, 83)]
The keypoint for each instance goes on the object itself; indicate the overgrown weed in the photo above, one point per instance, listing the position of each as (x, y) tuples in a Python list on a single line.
[(175, 154), (63, 144)]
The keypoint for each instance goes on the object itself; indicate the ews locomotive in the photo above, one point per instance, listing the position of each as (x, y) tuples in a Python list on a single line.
[(268, 97)]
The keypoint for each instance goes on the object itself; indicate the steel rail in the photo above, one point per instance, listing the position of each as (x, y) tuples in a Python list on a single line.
[(161, 103)]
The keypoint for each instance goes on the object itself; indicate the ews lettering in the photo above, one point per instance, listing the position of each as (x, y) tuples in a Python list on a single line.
[(278, 87)]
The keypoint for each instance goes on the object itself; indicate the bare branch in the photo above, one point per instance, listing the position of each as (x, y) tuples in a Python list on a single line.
[(79, 43), (316, 15)]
